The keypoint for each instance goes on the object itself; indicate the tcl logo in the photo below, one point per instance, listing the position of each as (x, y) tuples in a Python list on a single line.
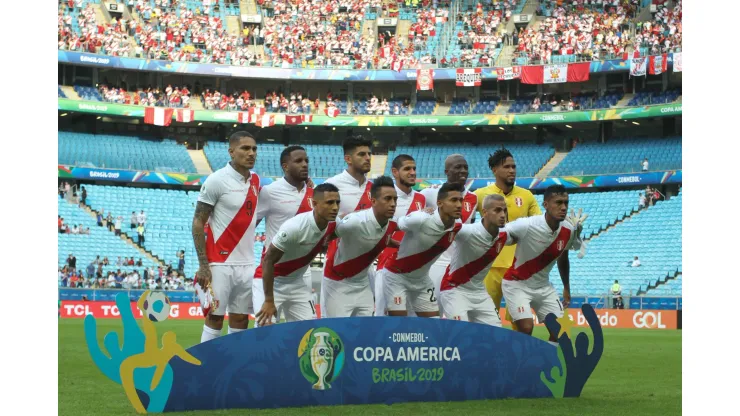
[(648, 320)]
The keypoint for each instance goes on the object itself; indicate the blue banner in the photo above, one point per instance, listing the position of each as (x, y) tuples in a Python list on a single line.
[(138, 64)]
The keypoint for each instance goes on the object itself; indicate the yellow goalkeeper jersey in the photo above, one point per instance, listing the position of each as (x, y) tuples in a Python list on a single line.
[(519, 203)]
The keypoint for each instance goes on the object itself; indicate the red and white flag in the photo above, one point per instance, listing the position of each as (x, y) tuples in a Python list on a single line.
[(158, 116), (467, 77), (185, 116), (396, 65), (331, 111), (307, 118), (424, 79), (556, 73), (385, 52), (255, 113), (505, 74), (658, 64), (677, 61), (638, 67), (242, 117), (293, 120), (265, 120)]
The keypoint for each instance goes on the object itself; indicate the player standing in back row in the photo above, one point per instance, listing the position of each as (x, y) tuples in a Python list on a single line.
[(456, 169), (540, 241), (223, 234), (362, 236), (280, 201)]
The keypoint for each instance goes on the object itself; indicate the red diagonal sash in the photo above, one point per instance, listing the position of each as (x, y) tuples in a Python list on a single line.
[(219, 251), (305, 206), (466, 272), (354, 266), (469, 202), (287, 267), (550, 254), (362, 204), (417, 204), (416, 261)]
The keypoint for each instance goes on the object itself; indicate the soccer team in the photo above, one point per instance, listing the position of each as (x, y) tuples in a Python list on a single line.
[(432, 257)]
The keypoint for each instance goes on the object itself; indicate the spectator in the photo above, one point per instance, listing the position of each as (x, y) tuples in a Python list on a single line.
[(141, 218), (83, 197), (636, 262), (72, 262), (645, 165), (134, 221), (617, 295), (140, 232), (139, 263), (99, 218), (119, 262), (109, 222), (119, 223), (181, 261), (643, 200), (130, 261), (60, 224), (74, 230)]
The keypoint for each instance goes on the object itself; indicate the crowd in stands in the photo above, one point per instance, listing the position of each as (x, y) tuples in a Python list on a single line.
[(664, 33), (93, 277), (79, 30)]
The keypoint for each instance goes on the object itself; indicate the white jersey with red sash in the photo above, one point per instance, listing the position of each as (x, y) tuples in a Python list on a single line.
[(470, 202), (279, 202), (407, 203), (473, 252), (230, 228), (353, 195)]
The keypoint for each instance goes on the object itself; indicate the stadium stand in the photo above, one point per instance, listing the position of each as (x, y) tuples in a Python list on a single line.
[(88, 93), (60, 93), (100, 242), (123, 152), (430, 158), (671, 287), (425, 106), (621, 156), (609, 256), (655, 97)]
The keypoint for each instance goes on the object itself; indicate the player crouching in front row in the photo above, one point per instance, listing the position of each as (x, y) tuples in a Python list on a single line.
[(541, 240), (291, 251)]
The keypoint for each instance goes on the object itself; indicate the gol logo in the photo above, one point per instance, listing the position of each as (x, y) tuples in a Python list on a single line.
[(647, 320)]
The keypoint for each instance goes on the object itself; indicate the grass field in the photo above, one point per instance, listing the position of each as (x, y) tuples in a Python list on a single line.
[(639, 374)]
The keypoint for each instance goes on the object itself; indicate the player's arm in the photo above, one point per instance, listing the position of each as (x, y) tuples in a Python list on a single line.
[(272, 256), (203, 211), (516, 230), (413, 221), (263, 204), (564, 269)]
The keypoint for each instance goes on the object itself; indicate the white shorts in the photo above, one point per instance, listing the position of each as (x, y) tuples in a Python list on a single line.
[(419, 292), (345, 300), (232, 287), (380, 305), (467, 305), (521, 299), (293, 299), (436, 273)]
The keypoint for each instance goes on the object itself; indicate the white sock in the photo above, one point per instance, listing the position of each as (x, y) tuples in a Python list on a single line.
[(553, 343), (209, 334), (235, 330)]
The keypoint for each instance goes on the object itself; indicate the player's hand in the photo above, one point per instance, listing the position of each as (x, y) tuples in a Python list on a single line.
[(265, 315), (309, 183), (203, 277), (566, 299), (429, 210), (577, 220)]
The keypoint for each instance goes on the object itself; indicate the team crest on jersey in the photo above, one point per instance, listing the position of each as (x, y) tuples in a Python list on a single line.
[(368, 195), (518, 201), (498, 247), (254, 190), (418, 206), (451, 237), (310, 202), (397, 300), (466, 205), (561, 244), (388, 239)]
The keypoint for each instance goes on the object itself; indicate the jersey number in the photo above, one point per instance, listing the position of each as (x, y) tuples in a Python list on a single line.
[(313, 308), (249, 208), (431, 295)]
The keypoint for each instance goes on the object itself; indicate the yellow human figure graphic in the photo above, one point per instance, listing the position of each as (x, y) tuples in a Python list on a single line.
[(151, 357)]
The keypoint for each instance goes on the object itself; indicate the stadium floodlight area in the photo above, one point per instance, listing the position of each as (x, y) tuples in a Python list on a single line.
[(123, 152)]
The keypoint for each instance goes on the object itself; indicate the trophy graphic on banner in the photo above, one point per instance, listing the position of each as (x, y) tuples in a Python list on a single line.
[(322, 360)]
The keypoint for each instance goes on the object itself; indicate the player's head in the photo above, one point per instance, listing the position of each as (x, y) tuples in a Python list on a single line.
[(456, 169), (403, 170), (556, 202), (494, 210), (294, 162), (449, 199), (326, 201), (357, 153), (503, 166), (242, 149), (383, 197)]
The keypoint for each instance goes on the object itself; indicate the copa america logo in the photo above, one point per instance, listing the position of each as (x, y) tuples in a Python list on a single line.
[(321, 357)]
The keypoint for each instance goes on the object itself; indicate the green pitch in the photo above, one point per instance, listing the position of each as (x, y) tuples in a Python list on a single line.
[(639, 374)]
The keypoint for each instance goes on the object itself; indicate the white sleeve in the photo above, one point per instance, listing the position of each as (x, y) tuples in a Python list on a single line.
[(430, 195), (348, 225), (517, 230), (285, 237), (210, 191), (465, 232), (263, 203), (413, 221)]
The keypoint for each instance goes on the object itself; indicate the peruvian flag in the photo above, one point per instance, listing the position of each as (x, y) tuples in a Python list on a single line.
[(385, 51), (677, 61), (467, 77), (627, 55), (658, 64), (638, 67), (556, 73), (242, 117), (424, 79), (293, 120), (185, 116), (307, 118), (158, 116), (396, 65), (255, 113), (505, 74), (331, 111), (265, 120)]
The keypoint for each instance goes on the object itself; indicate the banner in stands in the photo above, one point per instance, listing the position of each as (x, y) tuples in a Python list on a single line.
[(342, 361), (118, 175), (424, 79), (314, 74), (625, 113)]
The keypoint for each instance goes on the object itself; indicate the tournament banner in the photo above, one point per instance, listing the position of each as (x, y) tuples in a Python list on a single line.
[(638, 67), (231, 117), (424, 79), (505, 74), (678, 62), (267, 72), (340, 361), (468, 77)]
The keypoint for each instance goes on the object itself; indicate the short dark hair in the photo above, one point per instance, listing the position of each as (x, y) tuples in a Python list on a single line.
[(498, 157), (353, 142), (324, 187), (555, 190), (380, 182), (398, 160), (238, 135), (285, 155), (448, 187)]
